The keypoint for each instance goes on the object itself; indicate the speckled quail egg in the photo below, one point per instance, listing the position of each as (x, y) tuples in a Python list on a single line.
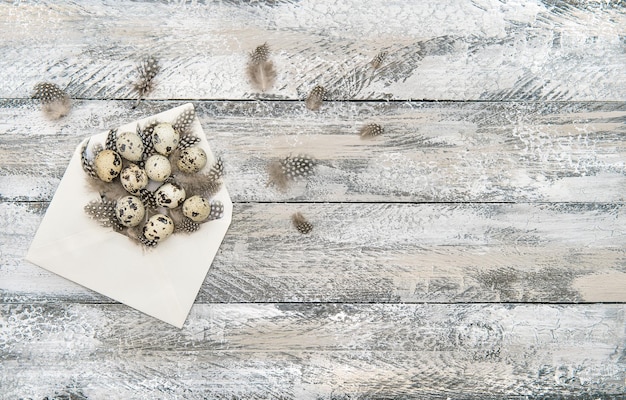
[(170, 195), (130, 146), (165, 139), (158, 227), (108, 165), (129, 211), (192, 160), (158, 167), (133, 178), (196, 208)]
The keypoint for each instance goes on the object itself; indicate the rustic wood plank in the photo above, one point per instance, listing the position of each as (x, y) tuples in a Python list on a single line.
[(380, 253), (418, 215), (430, 152), (457, 50), (328, 351)]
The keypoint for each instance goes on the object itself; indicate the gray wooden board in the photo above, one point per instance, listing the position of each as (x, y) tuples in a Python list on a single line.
[(328, 351), (571, 252), (457, 50), (430, 152), (511, 192)]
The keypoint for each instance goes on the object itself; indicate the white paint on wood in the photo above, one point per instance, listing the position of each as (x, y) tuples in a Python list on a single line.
[(602, 286), (458, 50), (430, 152), (381, 253), (58, 340), (314, 351)]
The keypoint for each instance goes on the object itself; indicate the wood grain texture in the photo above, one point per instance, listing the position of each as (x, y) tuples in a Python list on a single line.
[(442, 50), (380, 253), (430, 152), (323, 351), (506, 187)]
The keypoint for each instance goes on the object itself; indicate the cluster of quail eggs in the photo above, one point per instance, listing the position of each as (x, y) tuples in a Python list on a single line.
[(126, 160)]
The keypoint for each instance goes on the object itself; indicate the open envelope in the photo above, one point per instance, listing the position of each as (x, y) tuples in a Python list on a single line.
[(163, 281)]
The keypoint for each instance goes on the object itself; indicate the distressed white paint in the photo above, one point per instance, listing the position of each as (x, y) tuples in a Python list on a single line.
[(382, 252), (600, 287), (58, 340), (311, 351), (446, 152), (449, 49)]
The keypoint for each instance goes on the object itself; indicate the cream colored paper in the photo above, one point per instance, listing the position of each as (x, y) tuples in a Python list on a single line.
[(162, 282)]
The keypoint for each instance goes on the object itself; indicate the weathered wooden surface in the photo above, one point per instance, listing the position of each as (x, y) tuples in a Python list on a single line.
[(380, 253), (512, 191), (295, 351), (430, 152), (455, 50)]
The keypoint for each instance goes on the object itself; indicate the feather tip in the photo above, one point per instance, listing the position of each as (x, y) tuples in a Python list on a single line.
[(301, 223), (315, 99), (55, 102), (260, 69)]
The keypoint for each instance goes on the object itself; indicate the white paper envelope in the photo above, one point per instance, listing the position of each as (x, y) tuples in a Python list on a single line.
[(163, 281)]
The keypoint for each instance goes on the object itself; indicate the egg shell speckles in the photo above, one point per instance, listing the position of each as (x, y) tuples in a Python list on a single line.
[(158, 167), (108, 165), (133, 178), (192, 160), (158, 227), (197, 208), (130, 146), (170, 195), (129, 211), (165, 139)]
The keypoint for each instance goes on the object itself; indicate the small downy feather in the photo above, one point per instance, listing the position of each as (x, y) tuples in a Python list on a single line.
[(174, 157), (111, 142), (145, 84), (97, 148), (183, 122), (217, 169), (145, 241), (55, 102), (260, 69), (111, 190), (378, 60), (146, 139), (217, 210), (187, 226), (203, 184), (316, 98), (187, 141), (300, 166), (148, 199), (87, 164), (182, 223), (289, 169), (371, 130), (301, 223), (148, 129), (103, 211), (277, 176)]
